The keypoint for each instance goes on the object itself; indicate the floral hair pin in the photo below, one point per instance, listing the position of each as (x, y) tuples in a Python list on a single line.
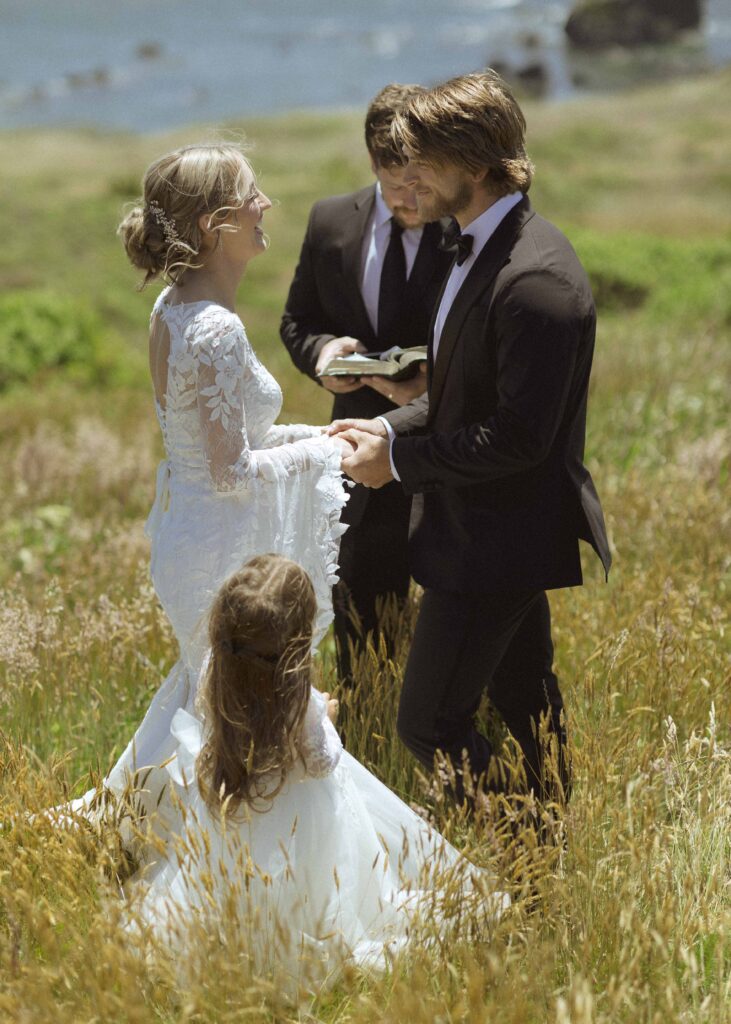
[(168, 226)]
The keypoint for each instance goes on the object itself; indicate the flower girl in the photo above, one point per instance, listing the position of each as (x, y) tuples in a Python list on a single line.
[(270, 830)]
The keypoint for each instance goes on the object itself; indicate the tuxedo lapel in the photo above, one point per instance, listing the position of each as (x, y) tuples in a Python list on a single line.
[(493, 256), (352, 249), (443, 226)]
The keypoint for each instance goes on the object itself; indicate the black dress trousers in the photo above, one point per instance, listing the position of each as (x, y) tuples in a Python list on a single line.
[(463, 645)]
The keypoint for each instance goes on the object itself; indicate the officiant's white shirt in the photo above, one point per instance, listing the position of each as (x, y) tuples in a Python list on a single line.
[(482, 228), (375, 242)]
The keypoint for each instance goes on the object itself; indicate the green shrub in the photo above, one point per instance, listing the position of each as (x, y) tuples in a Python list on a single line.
[(670, 281), (43, 334)]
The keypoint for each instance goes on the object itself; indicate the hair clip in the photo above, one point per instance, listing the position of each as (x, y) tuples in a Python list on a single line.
[(242, 651), (168, 226)]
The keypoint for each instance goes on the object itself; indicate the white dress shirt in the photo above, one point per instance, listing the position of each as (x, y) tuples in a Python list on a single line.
[(375, 242), (481, 228)]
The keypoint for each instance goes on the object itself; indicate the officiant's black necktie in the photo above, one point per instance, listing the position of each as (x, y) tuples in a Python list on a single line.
[(392, 286)]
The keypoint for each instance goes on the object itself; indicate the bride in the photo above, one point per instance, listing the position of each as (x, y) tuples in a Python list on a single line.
[(339, 853), (232, 484)]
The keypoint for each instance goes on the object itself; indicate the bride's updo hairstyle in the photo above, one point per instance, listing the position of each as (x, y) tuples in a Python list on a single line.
[(161, 234), (257, 686)]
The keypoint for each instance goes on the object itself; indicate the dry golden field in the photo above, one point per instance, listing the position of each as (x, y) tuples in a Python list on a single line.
[(633, 920)]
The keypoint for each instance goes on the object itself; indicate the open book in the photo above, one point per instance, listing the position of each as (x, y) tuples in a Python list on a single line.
[(396, 363)]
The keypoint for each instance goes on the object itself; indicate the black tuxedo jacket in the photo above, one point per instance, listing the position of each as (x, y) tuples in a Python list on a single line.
[(325, 301), (494, 451)]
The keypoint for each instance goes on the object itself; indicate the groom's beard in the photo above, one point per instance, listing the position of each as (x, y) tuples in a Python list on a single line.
[(439, 204)]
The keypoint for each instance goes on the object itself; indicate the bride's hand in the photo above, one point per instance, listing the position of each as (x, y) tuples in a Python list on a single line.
[(345, 446), (375, 426)]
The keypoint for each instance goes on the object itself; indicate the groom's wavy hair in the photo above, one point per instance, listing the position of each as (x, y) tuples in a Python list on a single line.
[(257, 685), (473, 121), (161, 233)]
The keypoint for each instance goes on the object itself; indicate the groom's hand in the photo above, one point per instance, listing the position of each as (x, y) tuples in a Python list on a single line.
[(370, 463), (375, 427)]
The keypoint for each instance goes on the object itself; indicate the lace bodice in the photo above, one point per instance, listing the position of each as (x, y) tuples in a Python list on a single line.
[(220, 404), (233, 484)]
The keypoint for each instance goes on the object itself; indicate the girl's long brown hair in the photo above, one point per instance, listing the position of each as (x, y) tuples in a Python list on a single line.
[(257, 686)]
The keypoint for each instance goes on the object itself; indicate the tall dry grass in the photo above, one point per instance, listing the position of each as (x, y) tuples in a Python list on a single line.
[(628, 923)]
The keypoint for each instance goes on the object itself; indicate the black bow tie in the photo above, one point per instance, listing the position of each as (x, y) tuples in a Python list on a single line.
[(454, 240)]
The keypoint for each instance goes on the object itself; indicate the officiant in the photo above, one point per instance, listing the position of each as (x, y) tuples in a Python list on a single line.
[(369, 274)]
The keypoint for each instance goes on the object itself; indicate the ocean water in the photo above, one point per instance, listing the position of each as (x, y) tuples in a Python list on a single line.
[(132, 64)]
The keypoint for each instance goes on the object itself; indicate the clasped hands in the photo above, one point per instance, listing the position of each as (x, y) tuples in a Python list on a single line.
[(366, 450), (364, 444)]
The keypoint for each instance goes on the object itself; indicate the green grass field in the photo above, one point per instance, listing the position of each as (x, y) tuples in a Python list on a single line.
[(634, 919)]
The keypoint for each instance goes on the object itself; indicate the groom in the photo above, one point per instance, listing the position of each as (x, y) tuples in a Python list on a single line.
[(493, 453)]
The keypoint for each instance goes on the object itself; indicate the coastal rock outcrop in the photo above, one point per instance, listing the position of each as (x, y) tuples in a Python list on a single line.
[(596, 24)]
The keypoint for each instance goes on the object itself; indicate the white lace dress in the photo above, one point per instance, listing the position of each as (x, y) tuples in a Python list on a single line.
[(233, 485), (334, 867)]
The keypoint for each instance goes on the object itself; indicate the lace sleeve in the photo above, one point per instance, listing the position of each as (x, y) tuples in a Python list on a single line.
[(285, 433), (318, 742), (220, 351)]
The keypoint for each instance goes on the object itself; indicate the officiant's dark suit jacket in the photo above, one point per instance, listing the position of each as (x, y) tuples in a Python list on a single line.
[(494, 452), (325, 302)]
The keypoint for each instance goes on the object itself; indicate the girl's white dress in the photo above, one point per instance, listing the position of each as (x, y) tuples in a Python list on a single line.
[(334, 867)]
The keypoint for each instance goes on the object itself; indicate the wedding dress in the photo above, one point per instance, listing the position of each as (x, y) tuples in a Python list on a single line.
[(232, 485), (337, 866)]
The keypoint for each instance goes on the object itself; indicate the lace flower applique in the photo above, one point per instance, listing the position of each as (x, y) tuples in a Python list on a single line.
[(225, 358)]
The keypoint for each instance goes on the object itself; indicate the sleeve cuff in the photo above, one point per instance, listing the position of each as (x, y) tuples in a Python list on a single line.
[(389, 429), (391, 438)]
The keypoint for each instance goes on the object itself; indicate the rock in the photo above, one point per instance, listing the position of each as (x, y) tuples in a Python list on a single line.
[(533, 78), (580, 79), (597, 24), (530, 40), (500, 67), (682, 14), (149, 51), (75, 79)]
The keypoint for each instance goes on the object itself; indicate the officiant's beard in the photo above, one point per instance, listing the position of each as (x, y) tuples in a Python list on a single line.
[(440, 204), (407, 218)]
